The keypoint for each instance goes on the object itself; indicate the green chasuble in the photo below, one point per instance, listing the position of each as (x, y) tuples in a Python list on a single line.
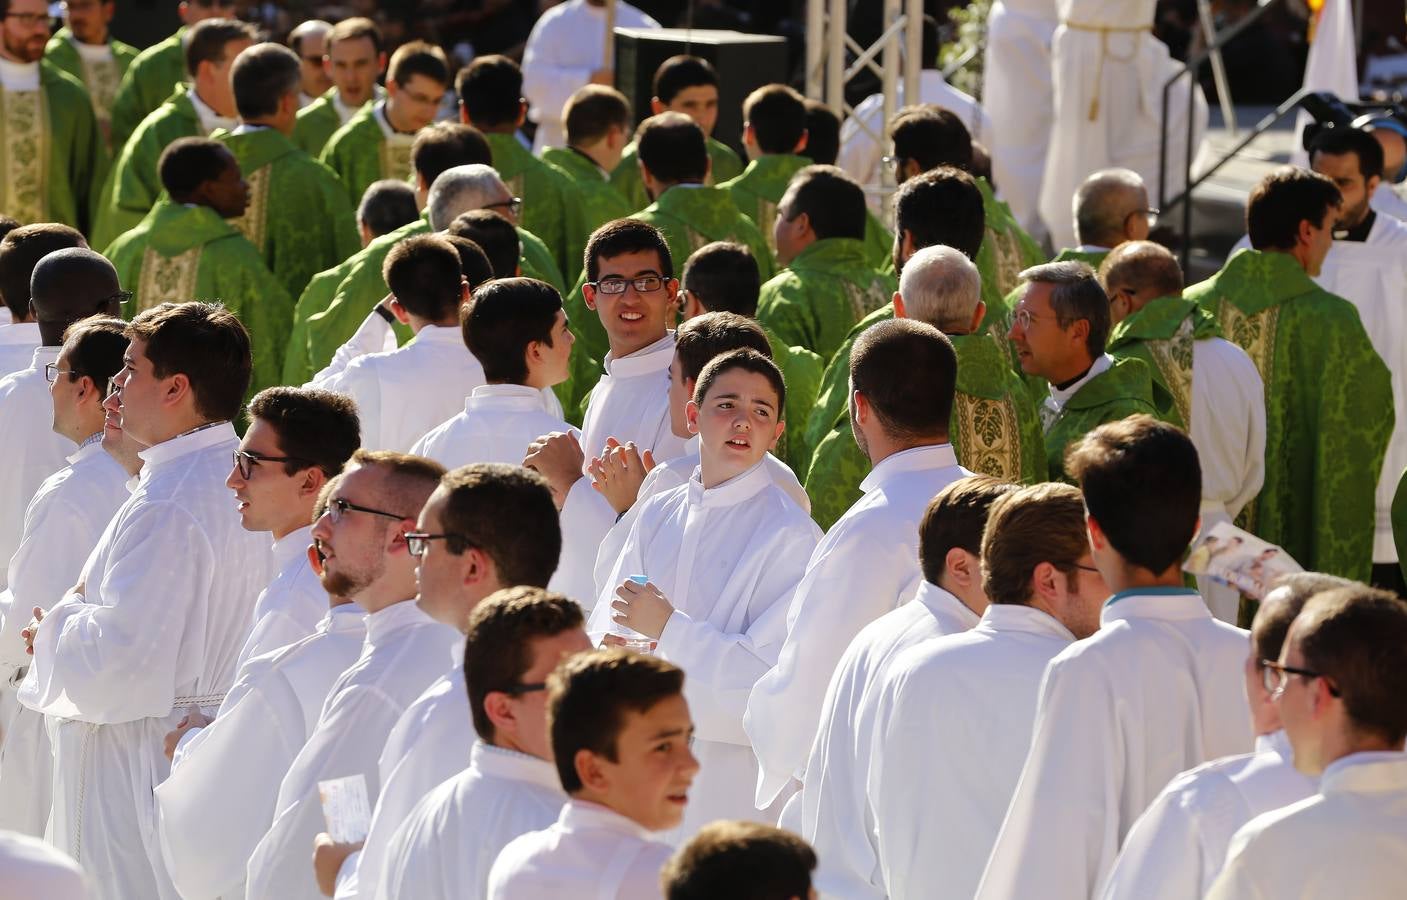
[(1122, 390), (596, 202), (1006, 246), (298, 217), (50, 151), (1328, 409), (101, 77), (134, 183), (626, 177), (319, 120), (1161, 334), (181, 253), (316, 297), (1399, 522), (822, 294), (995, 430), (549, 202), (361, 153), (149, 80), (801, 370)]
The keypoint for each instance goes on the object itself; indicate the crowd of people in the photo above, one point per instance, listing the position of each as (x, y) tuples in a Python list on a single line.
[(395, 510)]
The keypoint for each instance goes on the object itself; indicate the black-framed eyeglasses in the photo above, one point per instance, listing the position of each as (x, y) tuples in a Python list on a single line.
[(246, 460), (1151, 212), (645, 284), (52, 372), (514, 206), (417, 542), (517, 690), (340, 506), (1086, 568), (1274, 676), (121, 298), (29, 18), (113, 387)]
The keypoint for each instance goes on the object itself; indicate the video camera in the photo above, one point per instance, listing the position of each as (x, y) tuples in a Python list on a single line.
[(1328, 111)]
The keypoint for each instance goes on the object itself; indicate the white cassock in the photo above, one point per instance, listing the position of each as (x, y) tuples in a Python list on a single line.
[(629, 403), (1370, 274), (31, 868), (835, 814), (590, 851), (497, 424), (235, 764), (429, 743), (1157, 690), (1349, 840), (1228, 430), (405, 651), (446, 847), (1177, 847), (28, 443), (863, 568), (169, 590), (293, 604), (953, 723), (566, 45), (1016, 95), (18, 341), (1108, 71), (673, 473), (861, 153), (61, 527), (1387, 200), (403, 393), (729, 559)]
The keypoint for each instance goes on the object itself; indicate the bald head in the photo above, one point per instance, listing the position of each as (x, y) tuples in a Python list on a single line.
[(463, 188), (1104, 207), (69, 285), (1136, 272), (942, 287), (20, 252)]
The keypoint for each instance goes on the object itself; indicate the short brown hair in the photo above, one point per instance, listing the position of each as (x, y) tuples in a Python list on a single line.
[(410, 479), (503, 319), (741, 861), (20, 251), (723, 277), (624, 236), (777, 115), (931, 136), (490, 90), (588, 697), (1272, 620), (1142, 483), (699, 340), (314, 427), (592, 111), (1356, 638), (1282, 200), (424, 273), (495, 235), (748, 360), (1076, 294), (95, 347), (1140, 265), (508, 513), (673, 147), (1031, 525), (497, 645), (204, 342), (441, 146), (205, 41), (418, 58), (889, 360), (353, 29), (955, 517)]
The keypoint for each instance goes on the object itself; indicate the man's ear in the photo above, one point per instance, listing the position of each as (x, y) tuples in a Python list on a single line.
[(657, 106), (313, 480), (522, 113), (399, 311), (957, 568), (978, 315), (801, 144), (899, 311), (588, 295), (590, 771), (691, 416), (1097, 538)]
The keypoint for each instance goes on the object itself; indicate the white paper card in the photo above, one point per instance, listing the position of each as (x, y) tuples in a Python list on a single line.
[(346, 808)]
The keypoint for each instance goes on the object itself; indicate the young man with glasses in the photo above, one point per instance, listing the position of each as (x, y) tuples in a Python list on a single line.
[(1179, 844), (448, 842), (1155, 691), (86, 49), (362, 537), (486, 527), (1338, 685), (155, 625)]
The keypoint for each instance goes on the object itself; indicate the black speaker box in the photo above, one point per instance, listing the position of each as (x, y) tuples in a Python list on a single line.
[(744, 62)]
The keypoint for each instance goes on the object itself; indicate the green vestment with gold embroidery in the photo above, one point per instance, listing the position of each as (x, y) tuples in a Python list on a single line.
[(298, 218), (134, 184), (101, 78), (549, 202), (319, 120), (1162, 334), (1328, 409), (316, 297), (596, 201), (149, 80), (822, 294), (361, 153), (801, 370), (1122, 390), (50, 151), (626, 176), (181, 253)]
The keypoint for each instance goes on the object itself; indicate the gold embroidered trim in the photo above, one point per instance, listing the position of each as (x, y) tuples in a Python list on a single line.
[(1174, 359), (102, 78), (1254, 334), (254, 224), (24, 121), (867, 299), (1006, 259), (395, 160), (988, 436), (766, 215), (167, 278)]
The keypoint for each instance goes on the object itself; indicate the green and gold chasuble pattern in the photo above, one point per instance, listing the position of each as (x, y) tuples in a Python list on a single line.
[(820, 296)]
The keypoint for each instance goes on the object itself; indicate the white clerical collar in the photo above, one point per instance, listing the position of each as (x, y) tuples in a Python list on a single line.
[(192, 441), (385, 622), (304, 98), (91, 52), (1372, 772), (43, 356), (1004, 617), (292, 546), (20, 333), (645, 361), (500, 762), (735, 490), (249, 128), (17, 76), (583, 815), (443, 334), (504, 398), (1091, 248), (914, 459), (945, 603), (387, 130), (1167, 603), (344, 112), (1061, 396), (209, 119)]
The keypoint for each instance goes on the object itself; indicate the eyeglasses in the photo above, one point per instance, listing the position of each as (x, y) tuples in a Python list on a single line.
[(52, 372), (30, 19), (893, 162), (1275, 676), (1024, 317), (517, 690), (417, 542), (514, 206), (643, 285), (246, 460), (338, 507), (113, 387), (121, 298), (1086, 568), (1150, 212)]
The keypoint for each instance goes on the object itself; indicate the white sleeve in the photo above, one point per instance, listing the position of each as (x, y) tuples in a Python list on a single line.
[(46, 565), (1162, 856), (359, 381), (374, 335), (547, 83)]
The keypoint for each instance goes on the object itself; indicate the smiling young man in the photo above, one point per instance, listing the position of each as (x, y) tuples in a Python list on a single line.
[(724, 624), (354, 57), (620, 733)]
